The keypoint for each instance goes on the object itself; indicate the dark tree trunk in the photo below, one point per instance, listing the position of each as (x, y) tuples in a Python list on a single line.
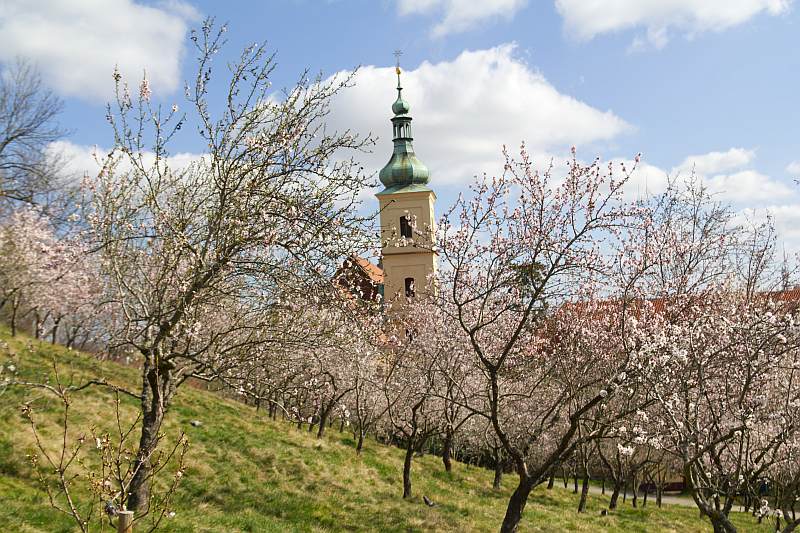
[(722, 525), (498, 469), (552, 480), (659, 493), (498, 475), (584, 494), (575, 484), (603, 487), (614, 496), (360, 444), (515, 507), (407, 468), (158, 388), (55, 331), (635, 496), (14, 307), (447, 450), (644, 499), (323, 421)]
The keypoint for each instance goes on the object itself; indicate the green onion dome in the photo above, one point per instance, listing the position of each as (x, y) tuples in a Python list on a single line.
[(404, 168)]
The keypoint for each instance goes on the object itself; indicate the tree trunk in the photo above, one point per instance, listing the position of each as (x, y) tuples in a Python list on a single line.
[(158, 388), (603, 487), (360, 444), (575, 484), (323, 421), (515, 507), (498, 470), (55, 330), (584, 493), (722, 525), (447, 450), (552, 480), (659, 493), (614, 496), (635, 497), (14, 307), (407, 468)]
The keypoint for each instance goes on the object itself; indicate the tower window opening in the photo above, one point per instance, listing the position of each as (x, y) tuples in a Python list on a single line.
[(409, 287), (405, 228)]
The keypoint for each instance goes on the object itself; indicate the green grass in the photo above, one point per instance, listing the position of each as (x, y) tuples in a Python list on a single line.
[(247, 473)]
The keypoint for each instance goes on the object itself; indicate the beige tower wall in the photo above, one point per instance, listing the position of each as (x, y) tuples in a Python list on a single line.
[(407, 258)]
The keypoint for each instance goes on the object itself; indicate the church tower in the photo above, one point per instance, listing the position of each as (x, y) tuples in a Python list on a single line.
[(406, 213)]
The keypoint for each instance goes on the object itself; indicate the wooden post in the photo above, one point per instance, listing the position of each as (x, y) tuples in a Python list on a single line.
[(125, 522)]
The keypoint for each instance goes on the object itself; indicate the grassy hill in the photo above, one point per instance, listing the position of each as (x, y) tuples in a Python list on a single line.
[(247, 473)]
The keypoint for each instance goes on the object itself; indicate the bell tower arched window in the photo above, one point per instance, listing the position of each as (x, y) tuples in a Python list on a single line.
[(409, 287), (405, 228)]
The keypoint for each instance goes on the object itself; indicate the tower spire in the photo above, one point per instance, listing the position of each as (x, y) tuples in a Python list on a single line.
[(404, 169), (397, 54)]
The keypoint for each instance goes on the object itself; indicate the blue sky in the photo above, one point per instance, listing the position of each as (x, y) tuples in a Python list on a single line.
[(710, 84)]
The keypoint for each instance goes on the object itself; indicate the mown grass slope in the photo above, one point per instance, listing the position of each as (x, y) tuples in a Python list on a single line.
[(247, 473)]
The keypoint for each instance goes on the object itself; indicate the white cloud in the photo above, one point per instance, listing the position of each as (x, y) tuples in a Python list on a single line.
[(793, 168), (588, 18), (646, 180), (747, 187), (728, 175), (725, 175), (751, 194), (786, 219), (465, 110), (714, 162), (82, 160), (460, 15), (77, 44)]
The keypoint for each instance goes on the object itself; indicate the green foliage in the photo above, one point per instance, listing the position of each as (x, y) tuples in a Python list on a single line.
[(247, 473)]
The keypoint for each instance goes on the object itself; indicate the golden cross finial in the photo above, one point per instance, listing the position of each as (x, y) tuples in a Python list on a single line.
[(397, 54)]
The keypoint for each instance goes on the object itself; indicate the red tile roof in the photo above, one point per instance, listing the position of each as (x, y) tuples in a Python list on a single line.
[(373, 272)]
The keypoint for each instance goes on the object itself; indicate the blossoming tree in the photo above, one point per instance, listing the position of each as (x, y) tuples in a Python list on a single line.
[(199, 256)]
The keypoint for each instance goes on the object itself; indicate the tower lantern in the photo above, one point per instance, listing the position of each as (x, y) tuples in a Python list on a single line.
[(406, 211)]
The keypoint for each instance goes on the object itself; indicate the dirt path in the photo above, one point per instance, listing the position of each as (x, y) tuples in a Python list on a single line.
[(670, 499)]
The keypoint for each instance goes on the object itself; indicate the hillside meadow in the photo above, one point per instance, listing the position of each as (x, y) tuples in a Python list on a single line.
[(248, 473)]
